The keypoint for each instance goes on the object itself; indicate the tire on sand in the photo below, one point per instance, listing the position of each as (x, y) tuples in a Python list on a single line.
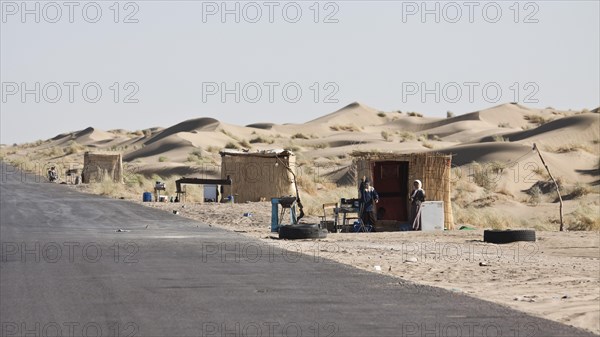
[(508, 236), (303, 231)]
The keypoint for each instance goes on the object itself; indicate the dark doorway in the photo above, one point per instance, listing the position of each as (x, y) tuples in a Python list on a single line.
[(390, 179)]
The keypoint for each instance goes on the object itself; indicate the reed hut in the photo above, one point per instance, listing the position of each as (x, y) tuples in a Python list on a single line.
[(259, 175), (100, 165), (392, 175)]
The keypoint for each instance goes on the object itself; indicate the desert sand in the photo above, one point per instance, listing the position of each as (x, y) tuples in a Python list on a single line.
[(557, 278)]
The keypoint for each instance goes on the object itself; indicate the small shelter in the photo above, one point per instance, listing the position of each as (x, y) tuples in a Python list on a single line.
[(98, 165), (258, 175), (392, 175)]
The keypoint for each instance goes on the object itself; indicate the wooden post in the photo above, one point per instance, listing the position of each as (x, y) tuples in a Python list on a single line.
[(562, 226)]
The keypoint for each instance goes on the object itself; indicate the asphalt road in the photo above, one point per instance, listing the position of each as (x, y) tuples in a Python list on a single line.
[(65, 270)]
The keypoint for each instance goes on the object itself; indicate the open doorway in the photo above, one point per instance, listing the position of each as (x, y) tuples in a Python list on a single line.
[(390, 179)]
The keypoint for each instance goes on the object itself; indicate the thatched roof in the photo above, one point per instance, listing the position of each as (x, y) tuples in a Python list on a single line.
[(263, 154)]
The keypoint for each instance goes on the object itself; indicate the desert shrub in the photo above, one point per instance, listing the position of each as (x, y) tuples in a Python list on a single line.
[(504, 125), (232, 145), (73, 147), (535, 195), (260, 139), (381, 114), (293, 148), (499, 139), (580, 190), (320, 146), (449, 114), (584, 219), (481, 177), (300, 136), (349, 128), (212, 149), (566, 148), (386, 136), (244, 143), (537, 119), (162, 159), (229, 134), (406, 135), (415, 114)]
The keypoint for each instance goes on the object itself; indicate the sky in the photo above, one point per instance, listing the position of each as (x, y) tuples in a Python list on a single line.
[(132, 65)]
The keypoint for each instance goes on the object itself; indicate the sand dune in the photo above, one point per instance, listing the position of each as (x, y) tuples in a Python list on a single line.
[(192, 125)]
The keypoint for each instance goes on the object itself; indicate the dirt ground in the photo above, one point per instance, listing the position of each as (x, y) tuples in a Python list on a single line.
[(557, 277)]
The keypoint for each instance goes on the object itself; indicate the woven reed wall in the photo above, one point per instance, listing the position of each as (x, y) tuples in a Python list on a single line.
[(98, 165), (257, 177)]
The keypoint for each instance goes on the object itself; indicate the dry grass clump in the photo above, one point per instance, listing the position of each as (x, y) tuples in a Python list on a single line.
[(162, 159), (232, 146), (504, 125), (449, 114), (262, 140), (212, 149), (244, 143), (566, 148), (579, 190), (406, 135), (73, 147), (499, 139), (481, 218), (428, 145), (349, 128), (481, 177), (415, 114), (386, 136), (537, 119), (585, 218), (300, 136), (320, 146)]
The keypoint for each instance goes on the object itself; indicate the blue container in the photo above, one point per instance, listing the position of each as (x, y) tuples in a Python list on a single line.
[(147, 197)]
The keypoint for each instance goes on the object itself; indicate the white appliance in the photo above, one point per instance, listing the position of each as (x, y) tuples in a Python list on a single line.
[(432, 216)]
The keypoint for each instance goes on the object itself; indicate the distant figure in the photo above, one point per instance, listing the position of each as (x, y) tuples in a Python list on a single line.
[(368, 197), (52, 175), (416, 198)]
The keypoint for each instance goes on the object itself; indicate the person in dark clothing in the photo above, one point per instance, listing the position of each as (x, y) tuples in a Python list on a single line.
[(416, 198), (368, 199)]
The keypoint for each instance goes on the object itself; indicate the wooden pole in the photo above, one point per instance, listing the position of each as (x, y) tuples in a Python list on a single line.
[(562, 226)]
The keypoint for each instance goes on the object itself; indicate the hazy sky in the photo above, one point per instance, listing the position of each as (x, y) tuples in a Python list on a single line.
[(242, 62)]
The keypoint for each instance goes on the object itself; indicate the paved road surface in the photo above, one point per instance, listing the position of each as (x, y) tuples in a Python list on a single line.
[(65, 270)]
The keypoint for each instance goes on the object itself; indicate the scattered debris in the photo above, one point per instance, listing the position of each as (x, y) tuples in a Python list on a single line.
[(248, 215), (411, 260), (175, 211), (390, 269), (378, 268), (565, 297), (122, 230), (484, 264)]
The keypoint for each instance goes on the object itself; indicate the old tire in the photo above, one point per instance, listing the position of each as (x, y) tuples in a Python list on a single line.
[(509, 235), (304, 231)]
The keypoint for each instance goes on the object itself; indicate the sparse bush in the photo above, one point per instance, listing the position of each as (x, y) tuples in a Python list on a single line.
[(386, 136), (349, 128), (535, 195), (481, 178), (320, 146), (499, 139), (381, 114), (244, 143), (260, 139), (406, 135), (300, 136), (428, 145), (212, 149), (232, 146), (504, 125), (580, 190), (449, 114), (566, 148), (537, 119), (162, 159), (415, 114), (584, 219), (73, 147)]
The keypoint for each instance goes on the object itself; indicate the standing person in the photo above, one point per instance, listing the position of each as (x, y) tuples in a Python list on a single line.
[(52, 174), (368, 197), (416, 198)]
